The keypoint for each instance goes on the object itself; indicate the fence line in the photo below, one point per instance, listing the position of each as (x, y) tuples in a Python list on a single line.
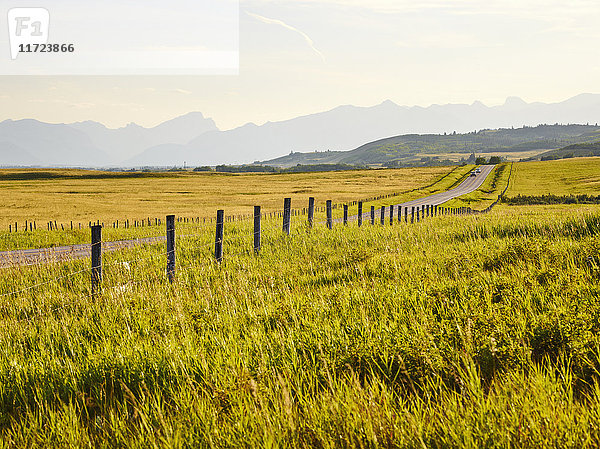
[(97, 244), (127, 223)]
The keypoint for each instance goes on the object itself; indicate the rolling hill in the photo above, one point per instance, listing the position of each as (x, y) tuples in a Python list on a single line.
[(577, 150), (411, 149)]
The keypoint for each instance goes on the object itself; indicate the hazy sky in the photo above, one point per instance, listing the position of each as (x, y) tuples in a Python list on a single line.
[(301, 57)]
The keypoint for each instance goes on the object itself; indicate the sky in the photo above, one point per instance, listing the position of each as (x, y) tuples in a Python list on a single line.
[(307, 56)]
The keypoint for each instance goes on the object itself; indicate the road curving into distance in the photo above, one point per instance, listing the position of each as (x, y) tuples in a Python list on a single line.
[(469, 185), (64, 253)]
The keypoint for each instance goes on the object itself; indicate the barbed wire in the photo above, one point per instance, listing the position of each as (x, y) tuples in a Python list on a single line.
[(45, 283)]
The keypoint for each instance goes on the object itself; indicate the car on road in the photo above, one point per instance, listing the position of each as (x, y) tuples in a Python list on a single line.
[(473, 173), (477, 170)]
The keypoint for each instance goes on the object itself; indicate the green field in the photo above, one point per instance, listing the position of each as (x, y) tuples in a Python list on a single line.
[(471, 331), (561, 177)]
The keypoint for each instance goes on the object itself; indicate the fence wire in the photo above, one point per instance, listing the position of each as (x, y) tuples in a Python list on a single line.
[(269, 217)]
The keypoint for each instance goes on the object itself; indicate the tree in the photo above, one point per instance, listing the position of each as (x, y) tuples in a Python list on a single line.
[(480, 161), (495, 160), (203, 168)]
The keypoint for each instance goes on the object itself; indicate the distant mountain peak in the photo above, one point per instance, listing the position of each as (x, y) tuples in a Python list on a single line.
[(193, 114), (515, 101)]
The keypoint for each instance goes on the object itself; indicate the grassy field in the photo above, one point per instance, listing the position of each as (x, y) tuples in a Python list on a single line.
[(242, 192), (83, 196), (561, 177), (479, 331), (473, 331)]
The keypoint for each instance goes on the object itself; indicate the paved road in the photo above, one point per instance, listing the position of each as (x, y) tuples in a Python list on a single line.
[(469, 185), (62, 253)]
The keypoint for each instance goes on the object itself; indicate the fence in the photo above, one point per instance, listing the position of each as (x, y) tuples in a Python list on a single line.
[(426, 211), (412, 214), (52, 225)]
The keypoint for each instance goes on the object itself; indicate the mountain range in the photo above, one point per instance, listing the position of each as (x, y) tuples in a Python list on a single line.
[(196, 140)]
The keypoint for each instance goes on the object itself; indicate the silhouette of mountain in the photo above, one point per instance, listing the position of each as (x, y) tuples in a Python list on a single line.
[(348, 127), (196, 139)]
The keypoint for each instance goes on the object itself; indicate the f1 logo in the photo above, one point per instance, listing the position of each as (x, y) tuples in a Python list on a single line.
[(27, 26)]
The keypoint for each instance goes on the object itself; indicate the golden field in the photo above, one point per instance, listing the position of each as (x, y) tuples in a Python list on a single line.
[(82, 196)]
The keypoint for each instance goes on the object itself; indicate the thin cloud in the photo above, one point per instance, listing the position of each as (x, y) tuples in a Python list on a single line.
[(308, 40)]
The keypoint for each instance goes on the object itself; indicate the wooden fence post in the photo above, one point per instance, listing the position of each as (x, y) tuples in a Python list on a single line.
[(96, 259), (287, 206), (382, 215), (423, 212), (360, 204), (399, 214), (418, 217), (257, 217), (311, 211), (345, 214), (391, 214), (372, 215), (329, 215), (219, 236), (171, 247), (412, 216)]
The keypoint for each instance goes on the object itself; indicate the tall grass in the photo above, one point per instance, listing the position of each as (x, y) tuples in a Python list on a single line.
[(477, 331)]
